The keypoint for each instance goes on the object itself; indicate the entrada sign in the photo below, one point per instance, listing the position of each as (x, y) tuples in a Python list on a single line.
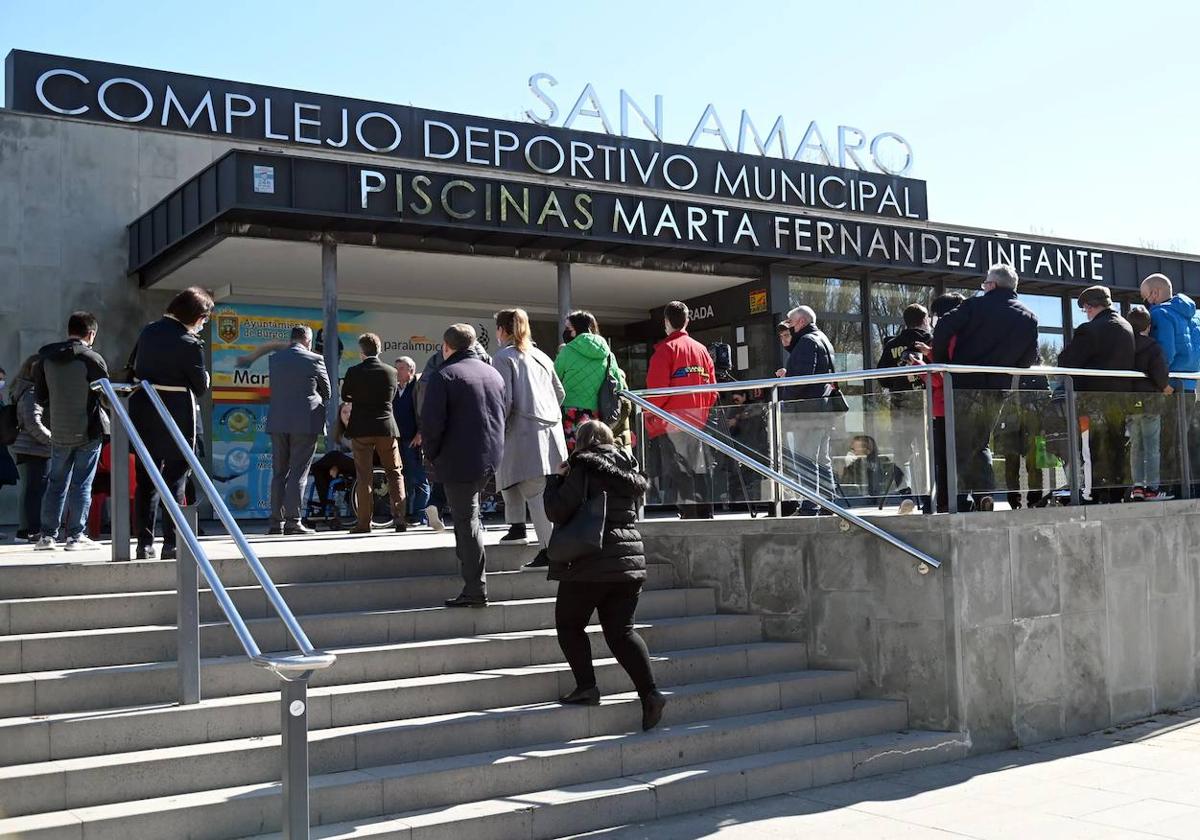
[(93, 90), (888, 151)]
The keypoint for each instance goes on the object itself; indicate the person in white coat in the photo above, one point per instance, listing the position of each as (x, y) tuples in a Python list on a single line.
[(534, 445)]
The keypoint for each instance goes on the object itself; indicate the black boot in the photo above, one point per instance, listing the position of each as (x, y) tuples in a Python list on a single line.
[(582, 697), (652, 710)]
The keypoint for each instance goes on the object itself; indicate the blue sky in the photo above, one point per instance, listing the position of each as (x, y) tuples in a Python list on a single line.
[(1066, 118)]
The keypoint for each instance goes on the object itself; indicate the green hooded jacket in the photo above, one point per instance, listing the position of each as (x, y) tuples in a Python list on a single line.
[(581, 365)]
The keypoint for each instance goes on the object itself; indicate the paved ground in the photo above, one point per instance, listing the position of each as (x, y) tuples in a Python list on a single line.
[(1142, 781)]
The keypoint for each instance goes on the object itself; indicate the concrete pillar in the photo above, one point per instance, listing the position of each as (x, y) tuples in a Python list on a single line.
[(564, 293), (329, 297)]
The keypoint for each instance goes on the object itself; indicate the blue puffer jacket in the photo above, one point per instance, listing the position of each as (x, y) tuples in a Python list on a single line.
[(1176, 327)]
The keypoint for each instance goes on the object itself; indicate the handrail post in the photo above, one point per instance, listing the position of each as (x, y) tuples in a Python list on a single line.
[(951, 443), (1074, 444), (187, 584), (118, 490), (774, 441), (1185, 455), (641, 450), (293, 708), (931, 481)]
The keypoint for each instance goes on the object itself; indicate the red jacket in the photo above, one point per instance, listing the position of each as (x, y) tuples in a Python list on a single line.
[(680, 360)]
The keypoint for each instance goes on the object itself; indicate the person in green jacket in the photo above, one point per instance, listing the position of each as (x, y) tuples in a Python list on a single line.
[(581, 364)]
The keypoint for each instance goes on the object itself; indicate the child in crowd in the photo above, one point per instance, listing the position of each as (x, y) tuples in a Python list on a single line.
[(1143, 427)]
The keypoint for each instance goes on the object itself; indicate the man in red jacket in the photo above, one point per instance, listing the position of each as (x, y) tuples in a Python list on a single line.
[(681, 360)]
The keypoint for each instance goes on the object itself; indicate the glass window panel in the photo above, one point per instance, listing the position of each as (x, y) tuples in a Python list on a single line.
[(1048, 309), (826, 295), (1050, 344)]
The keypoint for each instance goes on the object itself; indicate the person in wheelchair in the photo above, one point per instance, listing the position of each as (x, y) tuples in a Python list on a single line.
[(335, 464)]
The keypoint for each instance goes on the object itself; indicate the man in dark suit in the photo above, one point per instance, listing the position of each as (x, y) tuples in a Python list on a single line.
[(370, 387), (299, 390), (462, 429), (404, 407)]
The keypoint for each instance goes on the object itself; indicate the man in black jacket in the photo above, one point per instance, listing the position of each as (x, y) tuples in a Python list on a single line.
[(809, 423), (462, 430), (992, 329), (63, 388), (907, 401), (369, 387), (1105, 342)]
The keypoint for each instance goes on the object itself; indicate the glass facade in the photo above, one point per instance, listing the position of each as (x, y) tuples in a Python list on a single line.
[(838, 304)]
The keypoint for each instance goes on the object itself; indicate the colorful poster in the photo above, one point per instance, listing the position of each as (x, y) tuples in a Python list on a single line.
[(243, 335)]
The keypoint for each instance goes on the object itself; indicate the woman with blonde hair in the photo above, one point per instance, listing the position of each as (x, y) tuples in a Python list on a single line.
[(610, 580), (533, 435)]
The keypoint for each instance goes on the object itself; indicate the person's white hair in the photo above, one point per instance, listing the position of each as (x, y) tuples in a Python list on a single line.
[(1159, 283), (407, 362), (1004, 276), (806, 312)]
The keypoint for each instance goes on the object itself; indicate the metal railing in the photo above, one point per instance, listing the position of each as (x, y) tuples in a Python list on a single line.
[(293, 669), (774, 458)]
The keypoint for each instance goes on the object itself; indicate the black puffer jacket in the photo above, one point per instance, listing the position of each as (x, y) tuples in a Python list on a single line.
[(610, 470)]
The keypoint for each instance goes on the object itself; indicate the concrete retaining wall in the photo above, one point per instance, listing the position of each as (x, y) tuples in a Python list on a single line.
[(1039, 624)]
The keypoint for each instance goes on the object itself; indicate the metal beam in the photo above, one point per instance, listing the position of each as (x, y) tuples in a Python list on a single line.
[(329, 298)]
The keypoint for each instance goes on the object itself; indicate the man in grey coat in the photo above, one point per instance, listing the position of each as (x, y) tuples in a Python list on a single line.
[(299, 390)]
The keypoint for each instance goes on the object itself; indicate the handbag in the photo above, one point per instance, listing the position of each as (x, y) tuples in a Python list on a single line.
[(836, 401), (582, 536), (609, 406)]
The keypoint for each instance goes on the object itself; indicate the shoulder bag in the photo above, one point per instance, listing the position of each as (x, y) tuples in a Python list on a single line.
[(582, 536)]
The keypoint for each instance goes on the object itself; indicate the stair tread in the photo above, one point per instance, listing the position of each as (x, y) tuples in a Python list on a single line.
[(302, 616), (329, 733), (344, 689), (454, 813), (375, 646)]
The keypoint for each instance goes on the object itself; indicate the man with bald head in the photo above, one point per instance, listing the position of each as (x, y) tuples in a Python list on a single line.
[(1175, 325)]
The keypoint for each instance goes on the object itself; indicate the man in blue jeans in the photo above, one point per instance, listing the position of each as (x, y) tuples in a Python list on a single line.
[(404, 407), (77, 420)]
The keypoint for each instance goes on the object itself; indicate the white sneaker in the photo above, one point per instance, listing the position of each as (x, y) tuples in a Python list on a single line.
[(45, 544), (80, 543), (434, 518), (907, 506)]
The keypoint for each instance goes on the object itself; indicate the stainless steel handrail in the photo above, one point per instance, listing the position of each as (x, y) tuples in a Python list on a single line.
[(891, 373), (293, 669), (784, 480), (286, 666)]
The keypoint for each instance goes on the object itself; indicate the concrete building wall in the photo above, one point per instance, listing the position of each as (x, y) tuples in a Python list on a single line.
[(1040, 624)]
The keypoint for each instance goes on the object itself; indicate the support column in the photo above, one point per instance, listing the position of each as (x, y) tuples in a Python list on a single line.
[(564, 293), (118, 492), (329, 298), (187, 616), (293, 703)]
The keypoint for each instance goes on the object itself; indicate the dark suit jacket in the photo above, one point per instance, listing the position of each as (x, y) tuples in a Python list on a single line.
[(299, 389), (370, 387), (167, 354), (404, 408), (1103, 343), (462, 419)]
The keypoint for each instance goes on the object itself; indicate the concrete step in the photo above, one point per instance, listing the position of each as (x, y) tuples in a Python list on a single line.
[(128, 645), (96, 780), (396, 586), (117, 686), (70, 735), (369, 804), (53, 574)]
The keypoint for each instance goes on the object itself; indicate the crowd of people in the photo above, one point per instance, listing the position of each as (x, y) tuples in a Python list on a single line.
[(1120, 422)]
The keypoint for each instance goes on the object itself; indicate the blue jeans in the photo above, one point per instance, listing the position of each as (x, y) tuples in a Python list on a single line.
[(69, 481), (416, 483), (1145, 452)]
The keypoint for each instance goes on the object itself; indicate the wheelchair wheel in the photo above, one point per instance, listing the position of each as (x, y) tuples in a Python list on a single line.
[(381, 503)]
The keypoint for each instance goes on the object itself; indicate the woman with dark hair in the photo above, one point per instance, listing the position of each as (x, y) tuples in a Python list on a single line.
[(582, 364), (336, 461), (31, 449), (169, 357), (608, 582)]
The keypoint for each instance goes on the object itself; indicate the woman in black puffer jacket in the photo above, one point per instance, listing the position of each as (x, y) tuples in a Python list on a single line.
[(611, 581)]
